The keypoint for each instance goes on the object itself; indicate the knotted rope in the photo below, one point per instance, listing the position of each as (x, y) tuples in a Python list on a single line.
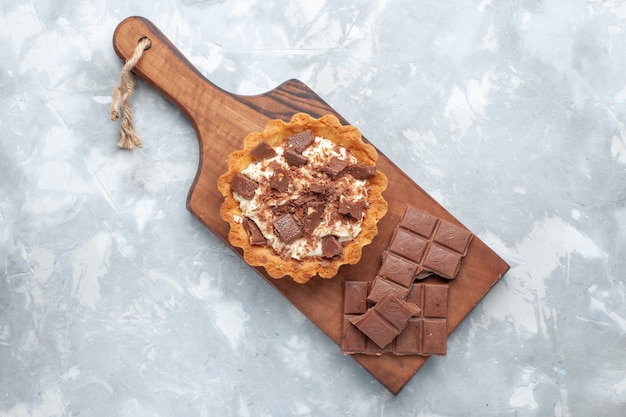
[(122, 93)]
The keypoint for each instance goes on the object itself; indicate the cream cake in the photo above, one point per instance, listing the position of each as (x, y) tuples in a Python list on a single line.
[(302, 198)]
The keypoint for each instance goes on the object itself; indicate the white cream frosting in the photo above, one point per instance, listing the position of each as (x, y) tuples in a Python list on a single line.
[(319, 153)]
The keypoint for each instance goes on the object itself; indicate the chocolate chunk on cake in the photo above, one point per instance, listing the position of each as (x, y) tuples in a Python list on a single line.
[(295, 158), (361, 171), (243, 186), (334, 167), (256, 236), (287, 228), (301, 140), (263, 151), (331, 247)]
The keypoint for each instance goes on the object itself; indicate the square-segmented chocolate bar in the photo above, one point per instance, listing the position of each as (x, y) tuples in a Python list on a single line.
[(433, 244), (425, 333)]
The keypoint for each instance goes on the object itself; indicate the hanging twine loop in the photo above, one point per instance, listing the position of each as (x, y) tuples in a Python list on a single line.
[(122, 93)]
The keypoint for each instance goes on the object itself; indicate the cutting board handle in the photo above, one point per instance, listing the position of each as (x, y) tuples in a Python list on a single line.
[(167, 69)]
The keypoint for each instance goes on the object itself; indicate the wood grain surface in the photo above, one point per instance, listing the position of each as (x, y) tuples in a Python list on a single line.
[(222, 120)]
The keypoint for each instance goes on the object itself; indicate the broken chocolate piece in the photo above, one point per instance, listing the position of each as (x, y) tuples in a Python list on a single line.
[(280, 181), (313, 218), (376, 328), (383, 322), (263, 151), (301, 140), (309, 199), (243, 186), (287, 228), (353, 209), (362, 171), (331, 247), (334, 167), (317, 188), (255, 234), (295, 158)]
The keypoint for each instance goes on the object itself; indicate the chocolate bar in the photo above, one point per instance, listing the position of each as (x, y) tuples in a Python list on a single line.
[(442, 244), (421, 243), (424, 334)]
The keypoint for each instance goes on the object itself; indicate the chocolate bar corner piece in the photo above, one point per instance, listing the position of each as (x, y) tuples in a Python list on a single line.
[(418, 221), (453, 237), (434, 337)]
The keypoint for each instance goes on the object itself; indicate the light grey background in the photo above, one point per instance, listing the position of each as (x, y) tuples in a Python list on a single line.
[(115, 301)]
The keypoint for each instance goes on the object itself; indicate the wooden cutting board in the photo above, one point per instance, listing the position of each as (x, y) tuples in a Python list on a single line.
[(222, 120)]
